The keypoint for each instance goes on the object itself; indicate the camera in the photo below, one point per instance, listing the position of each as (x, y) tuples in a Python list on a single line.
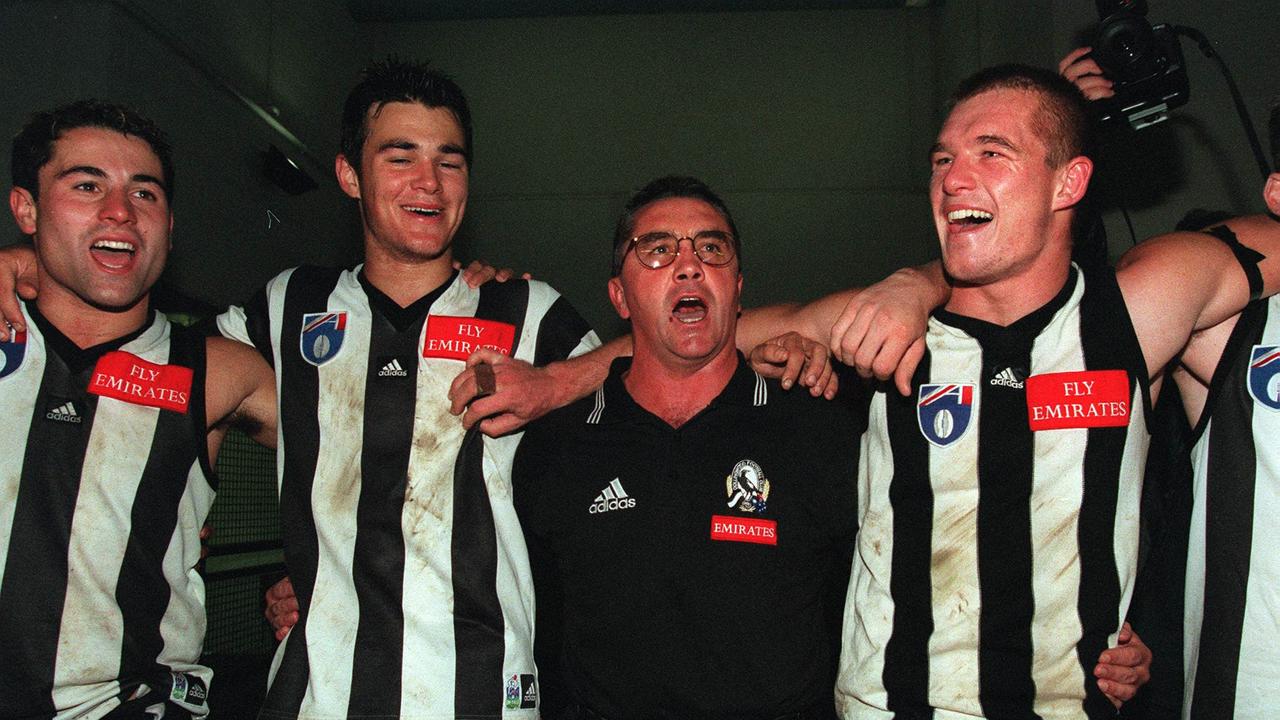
[(1143, 61)]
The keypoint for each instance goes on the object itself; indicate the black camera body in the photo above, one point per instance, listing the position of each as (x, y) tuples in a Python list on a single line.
[(1144, 62)]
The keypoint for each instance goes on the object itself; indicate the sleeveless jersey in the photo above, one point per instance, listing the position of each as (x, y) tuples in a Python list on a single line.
[(1232, 616), (104, 487), (400, 537), (998, 539)]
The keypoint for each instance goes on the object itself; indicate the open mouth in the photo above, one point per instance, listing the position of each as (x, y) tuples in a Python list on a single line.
[(969, 216), (689, 310), (424, 212), (113, 253)]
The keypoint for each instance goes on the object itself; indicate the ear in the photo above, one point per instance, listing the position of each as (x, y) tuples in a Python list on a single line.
[(1073, 182), (1271, 193), (739, 300), (170, 230), (24, 209), (619, 298), (348, 178)]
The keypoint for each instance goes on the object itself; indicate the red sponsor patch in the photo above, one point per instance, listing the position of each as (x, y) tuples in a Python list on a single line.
[(1089, 398), (127, 377), (742, 529), (456, 338)]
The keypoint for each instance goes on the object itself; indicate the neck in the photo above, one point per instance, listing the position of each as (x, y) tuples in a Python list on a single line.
[(675, 391), (404, 281), (86, 325), (1007, 300)]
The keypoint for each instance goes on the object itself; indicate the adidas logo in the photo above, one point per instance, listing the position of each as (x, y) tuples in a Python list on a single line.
[(66, 412), (613, 497), (1006, 378), (392, 369)]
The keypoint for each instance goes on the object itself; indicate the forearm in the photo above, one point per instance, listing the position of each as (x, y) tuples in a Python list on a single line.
[(578, 376)]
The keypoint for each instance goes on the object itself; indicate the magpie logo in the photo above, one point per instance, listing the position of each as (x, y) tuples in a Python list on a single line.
[(613, 497), (393, 369), (1007, 378), (66, 412)]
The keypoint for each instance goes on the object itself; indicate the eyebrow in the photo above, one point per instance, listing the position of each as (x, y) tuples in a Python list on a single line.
[(1000, 140), (100, 173), (403, 144)]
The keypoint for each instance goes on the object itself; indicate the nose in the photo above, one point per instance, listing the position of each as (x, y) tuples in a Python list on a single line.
[(957, 177), (688, 266), (116, 206), (429, 177)]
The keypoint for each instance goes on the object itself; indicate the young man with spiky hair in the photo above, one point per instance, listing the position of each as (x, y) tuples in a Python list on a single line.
[(110, 419), (403, 548)]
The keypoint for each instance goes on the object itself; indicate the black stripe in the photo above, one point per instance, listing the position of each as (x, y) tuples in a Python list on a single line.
[(32, 596), (561, 331), (477, 615), (142, 591), (478, 623), (378, 560), (1229, 498), (505, 302), (1108, 342), (906, 655), (1006, 459), (308, 291), (258, 324)]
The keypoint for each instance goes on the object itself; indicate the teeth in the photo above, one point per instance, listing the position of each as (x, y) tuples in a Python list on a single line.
[(969, 214), (114, 245), (423, 211)]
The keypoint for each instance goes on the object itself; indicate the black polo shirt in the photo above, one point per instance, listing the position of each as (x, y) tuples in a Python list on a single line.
[(690, 572)]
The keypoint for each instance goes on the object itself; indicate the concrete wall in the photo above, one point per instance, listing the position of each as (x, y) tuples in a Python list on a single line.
[(298, 57)]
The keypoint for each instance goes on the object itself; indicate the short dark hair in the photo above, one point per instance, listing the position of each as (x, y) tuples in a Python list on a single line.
[(1063, 123), (395, 80), (670, 186), (33, 145)]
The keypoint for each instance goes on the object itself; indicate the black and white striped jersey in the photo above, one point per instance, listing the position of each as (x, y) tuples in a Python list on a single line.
[(102, 495), (400, 536), (999, 516), (1232, 621)]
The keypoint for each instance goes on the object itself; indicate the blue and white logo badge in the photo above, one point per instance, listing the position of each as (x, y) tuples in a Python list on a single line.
[(1264, 375), (944, 411), (322, 335), (11, 353)]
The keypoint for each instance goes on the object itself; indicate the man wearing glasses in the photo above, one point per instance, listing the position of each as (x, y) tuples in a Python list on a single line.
[(690, 525)]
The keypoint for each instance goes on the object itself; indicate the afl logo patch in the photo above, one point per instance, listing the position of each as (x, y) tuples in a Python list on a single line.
[(1264, 375), (11, 353), (944, 410), (322, 335)]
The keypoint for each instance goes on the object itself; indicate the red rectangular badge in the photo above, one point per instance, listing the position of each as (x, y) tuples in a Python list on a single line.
[(741, 529), (127, 377), (456, 338), (1084, 399)]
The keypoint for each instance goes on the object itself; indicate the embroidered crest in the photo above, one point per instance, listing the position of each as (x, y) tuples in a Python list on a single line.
[(747, 487), (1264, 375), (11, 353), (943, 411), (322, 335)]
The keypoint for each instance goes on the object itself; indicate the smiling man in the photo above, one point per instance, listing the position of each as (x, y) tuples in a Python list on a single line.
[(999, 502), (110, 419), (412, 585)]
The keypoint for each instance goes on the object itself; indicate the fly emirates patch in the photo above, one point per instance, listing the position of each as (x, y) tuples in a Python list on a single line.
[(1085, 399), (127, 377), (455, 338), (744, 529)]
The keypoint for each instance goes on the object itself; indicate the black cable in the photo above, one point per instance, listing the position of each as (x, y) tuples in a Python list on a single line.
[(1207, 48)]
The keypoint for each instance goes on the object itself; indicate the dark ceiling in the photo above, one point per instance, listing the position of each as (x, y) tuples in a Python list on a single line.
[(406, 10)]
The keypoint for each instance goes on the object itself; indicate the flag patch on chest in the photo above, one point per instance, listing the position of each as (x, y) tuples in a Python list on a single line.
[(1264, 375), (12, 352), (1083, 399), (322, 335), (944, 411)]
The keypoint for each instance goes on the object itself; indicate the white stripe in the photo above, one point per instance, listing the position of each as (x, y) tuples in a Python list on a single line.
[(18, 393), (594, 417), (617, 488), (761, 395)]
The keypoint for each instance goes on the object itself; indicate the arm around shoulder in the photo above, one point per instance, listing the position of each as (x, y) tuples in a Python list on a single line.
[(240, 390)]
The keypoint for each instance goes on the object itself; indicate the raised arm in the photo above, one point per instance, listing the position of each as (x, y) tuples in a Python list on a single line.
[(18, 276), (240, 392)]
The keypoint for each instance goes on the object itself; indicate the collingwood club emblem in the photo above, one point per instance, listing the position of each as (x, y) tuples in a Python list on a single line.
[(747, 487)]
